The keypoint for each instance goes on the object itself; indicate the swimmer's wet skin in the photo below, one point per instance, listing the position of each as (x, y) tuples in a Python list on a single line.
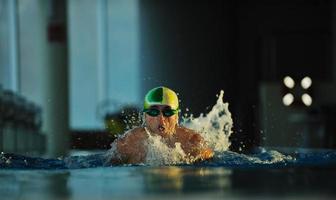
[(161, 107)]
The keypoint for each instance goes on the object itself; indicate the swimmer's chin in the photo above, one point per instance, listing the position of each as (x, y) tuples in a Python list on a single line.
[(163, 134)]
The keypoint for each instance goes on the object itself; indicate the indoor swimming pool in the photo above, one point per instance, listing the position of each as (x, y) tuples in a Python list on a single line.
[(264, 173)]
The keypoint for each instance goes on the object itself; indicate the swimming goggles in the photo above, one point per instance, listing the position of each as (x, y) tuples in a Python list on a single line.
[(167, 112)]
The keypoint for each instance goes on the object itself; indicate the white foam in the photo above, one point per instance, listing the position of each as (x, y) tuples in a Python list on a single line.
[(270, 157), (215, 126), (159, 153)]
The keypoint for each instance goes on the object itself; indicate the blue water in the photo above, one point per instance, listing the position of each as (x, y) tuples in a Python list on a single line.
[(260, 158), (263, 174)]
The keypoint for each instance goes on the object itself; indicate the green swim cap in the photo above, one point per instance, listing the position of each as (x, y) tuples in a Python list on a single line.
[(161, 96)]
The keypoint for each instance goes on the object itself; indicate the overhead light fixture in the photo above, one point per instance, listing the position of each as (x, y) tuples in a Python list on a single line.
[(306, 82), (292, 91), (288, 99), (289, 82), (307, 99)]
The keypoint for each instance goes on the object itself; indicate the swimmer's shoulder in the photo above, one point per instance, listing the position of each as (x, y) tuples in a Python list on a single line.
[(130, 146), (133, 134), (188, 133), (186, 130), (131, 139)]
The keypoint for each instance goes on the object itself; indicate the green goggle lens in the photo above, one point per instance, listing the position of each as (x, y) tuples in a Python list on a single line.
[(156, 112)]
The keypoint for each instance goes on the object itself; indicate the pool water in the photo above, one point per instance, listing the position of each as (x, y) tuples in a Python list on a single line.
[(166, 183), (301, 174)]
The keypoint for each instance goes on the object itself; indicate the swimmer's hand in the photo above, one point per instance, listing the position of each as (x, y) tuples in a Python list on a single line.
[(206, 154)]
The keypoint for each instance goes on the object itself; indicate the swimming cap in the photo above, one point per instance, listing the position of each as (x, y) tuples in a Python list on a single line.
[(161, 96)]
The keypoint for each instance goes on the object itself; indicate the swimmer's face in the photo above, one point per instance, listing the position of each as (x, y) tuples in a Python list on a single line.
[(161, 120)]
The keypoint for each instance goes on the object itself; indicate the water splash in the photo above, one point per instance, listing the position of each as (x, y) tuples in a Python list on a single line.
[(159, 153), (215, 127)]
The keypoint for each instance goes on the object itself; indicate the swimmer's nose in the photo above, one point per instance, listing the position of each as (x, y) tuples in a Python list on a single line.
[(161, 117)]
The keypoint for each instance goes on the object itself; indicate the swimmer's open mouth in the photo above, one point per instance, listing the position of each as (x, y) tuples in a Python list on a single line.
[(161, 128)]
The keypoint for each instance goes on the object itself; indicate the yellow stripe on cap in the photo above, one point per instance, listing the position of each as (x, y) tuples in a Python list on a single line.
[(161, 96)]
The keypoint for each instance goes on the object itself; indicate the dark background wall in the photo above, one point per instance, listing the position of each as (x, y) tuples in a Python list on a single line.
[(201, 47)]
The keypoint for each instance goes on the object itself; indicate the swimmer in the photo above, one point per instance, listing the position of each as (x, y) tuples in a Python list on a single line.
[(161, 107)]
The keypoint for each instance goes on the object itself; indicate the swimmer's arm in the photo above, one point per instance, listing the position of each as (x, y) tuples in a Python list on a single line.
[(200, 149), (129, 149), (122, 154)]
